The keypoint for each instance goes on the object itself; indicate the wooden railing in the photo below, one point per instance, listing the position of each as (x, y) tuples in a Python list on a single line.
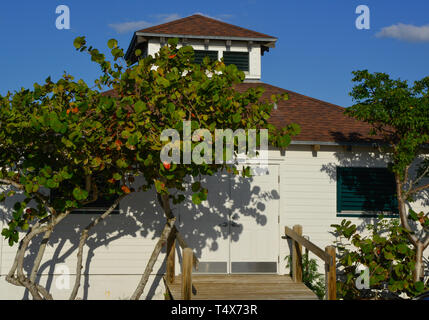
[(189, 261), (327, 255)]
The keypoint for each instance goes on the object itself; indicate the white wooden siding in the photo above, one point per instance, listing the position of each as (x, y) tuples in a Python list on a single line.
[(120, 252)]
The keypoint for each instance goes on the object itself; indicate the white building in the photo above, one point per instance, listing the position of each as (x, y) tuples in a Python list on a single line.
[(239, 228)]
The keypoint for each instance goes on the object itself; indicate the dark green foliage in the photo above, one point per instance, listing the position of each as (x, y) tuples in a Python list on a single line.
[(387, 254), (314, 280)]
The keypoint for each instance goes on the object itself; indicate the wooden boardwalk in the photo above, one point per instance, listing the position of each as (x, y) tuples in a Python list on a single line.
[(241, 287)]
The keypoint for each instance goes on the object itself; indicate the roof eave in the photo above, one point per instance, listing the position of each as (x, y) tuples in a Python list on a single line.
[(130, 47), (342, 143), (268, 40)]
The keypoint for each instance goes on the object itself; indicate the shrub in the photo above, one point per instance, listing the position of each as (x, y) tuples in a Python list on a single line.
[(385, 251), (310, 277)]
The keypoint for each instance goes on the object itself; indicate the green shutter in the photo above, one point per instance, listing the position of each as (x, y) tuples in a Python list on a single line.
[(366, 190), (97, 207), (199, 55), (240, 59)]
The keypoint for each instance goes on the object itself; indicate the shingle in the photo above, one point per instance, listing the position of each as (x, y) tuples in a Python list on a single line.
[(198, 25), (319, 120)]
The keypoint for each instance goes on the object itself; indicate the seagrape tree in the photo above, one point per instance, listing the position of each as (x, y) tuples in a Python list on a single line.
[(399, 116), (76, 143), (51, 163)]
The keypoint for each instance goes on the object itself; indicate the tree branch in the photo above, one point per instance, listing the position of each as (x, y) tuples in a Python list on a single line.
[(83, 238), (153, 258), (418, 179), (20, 279), (416, 190), (12, 183), (40, 254)]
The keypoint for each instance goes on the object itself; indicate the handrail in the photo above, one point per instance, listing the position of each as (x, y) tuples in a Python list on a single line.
[(327, 255), (189, 260), (309, 245), (183, 245)]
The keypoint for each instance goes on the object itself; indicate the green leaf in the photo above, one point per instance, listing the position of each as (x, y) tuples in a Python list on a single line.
[(79, 42), (121, 163), (29, 187), (419, 286), (80, 194), (173, 41), (162, 82), (389, 255), (133, 139), (57, 126), (51, 184), (196, 199), (159, 186), (171, 107), (96, 162), (112, 43), (196, 186), (139, 107), (236, 117)]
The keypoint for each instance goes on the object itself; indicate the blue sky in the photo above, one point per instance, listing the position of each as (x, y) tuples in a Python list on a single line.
[(318, 45)]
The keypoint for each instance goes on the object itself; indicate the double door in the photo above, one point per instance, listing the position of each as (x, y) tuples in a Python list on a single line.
[(236, 230)]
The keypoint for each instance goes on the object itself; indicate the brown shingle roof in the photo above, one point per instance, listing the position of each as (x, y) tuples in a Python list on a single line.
[(198, 25), (319, 120)]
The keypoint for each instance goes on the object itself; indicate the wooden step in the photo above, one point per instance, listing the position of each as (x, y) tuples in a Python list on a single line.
[(242, 287)]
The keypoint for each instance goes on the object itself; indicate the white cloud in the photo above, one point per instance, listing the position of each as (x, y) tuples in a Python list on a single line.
[(163, 18), (160, 18), (405, 32), (130, 26), (217, 17), (136, 25)]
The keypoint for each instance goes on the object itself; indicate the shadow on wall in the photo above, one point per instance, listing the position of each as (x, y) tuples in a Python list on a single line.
[(142, 218)]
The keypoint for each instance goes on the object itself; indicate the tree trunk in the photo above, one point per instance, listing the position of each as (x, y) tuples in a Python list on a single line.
[(418, 268), (37, 291), (84, 236), (40, 254), (403, 214), (156, 251)]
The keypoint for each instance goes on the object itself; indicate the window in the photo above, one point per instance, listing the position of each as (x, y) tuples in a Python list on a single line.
[(240, 59), (366, 191), (199, 55), (99, 206)]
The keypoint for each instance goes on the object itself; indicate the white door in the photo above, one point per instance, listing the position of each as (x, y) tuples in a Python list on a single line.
[(203, 226), (236, 229), (254, 229)]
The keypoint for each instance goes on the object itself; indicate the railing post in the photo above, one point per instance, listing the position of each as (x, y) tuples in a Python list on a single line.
[(187, 274), (331, 275), (297, 256), (171, 256)]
